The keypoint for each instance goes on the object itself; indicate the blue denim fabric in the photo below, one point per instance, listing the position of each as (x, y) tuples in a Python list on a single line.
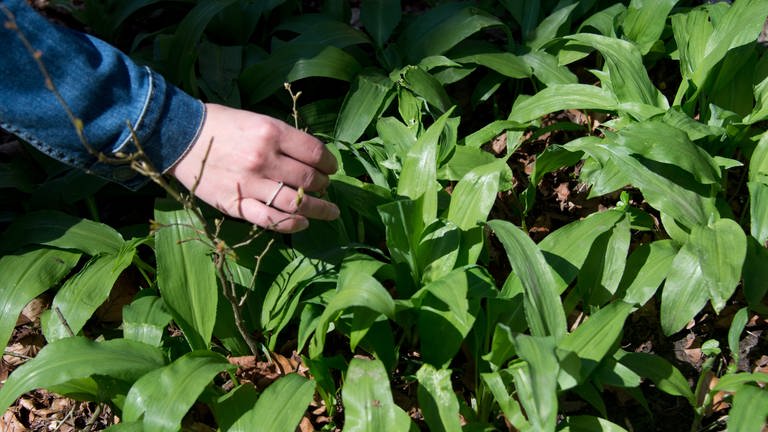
[(102, 86)]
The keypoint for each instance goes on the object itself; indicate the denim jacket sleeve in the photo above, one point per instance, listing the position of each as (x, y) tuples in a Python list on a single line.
[(102, 87)]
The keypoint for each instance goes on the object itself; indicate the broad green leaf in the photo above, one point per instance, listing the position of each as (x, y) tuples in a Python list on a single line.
[(647, 267), (645, 22), (24, 276), (754, 274), (734, 332), (604, 21), (83, 293), (750, 409), (152, 399), (447, 310), (536, 382), (76, 357), (331, 62), (586, 423), (404, 225), (505, 63), (186, 275), (758, 162), (685, 292), (284, 293), (509, 405), (357, 288), (60, 230), (438, 250), (722, 247), (558, 249), (561, 97), (145, 320), (543, 308), (502, 346), (437, 399), (491, 131), (230, 407), (421, 83), (419, 173), (548, 70), (380, 17), (322, 30), (758, 211), (708, 266), (220, 66), (182, 53), (733, 381), (660, 142), (395, 135), (593, 340), (441, 28), (549, 27), (368, 403), (280, 406), (694, 129), (601, 273), (689, 202), (666, 377), (629, 79), (474, 195)]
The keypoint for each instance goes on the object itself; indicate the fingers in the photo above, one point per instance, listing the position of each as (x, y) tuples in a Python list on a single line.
[(298, 174), (267, 217), (309, 150)]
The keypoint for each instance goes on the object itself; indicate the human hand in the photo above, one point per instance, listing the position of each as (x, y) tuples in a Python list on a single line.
[(251, 154)]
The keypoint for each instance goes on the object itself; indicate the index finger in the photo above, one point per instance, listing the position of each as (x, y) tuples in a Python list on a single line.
[(307, 149)]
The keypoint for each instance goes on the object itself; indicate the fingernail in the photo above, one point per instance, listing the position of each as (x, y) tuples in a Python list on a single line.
[(335, 212)]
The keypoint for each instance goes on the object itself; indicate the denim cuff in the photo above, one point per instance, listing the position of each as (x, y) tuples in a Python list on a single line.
[(168, 124)]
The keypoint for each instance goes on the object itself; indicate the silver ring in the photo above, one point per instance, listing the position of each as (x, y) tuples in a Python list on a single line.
[(274, 194)]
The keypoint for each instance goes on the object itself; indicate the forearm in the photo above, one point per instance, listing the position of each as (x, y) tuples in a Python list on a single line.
[(102, 87)]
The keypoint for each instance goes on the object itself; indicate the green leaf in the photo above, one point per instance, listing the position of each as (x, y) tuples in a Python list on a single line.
[(83, 293), (543, 309), (738, 324), (282, 298), (182, 55), (558, 249), (364, 101), (331, 62), (629, 79), (26, 275), (380, 17), (441, 28), (145, 320), (754, 273), (586, 423), (560, 97), (708, 266), (356, 288), (425, 85), (474, 195), (505, 63), (601, 273), (593, 340), (368, 403), (750, 409), (647, 267), (404, 227), (666, 377), (758, 211), (547, 69), (536, 380), (160, 409), (438, 250), (448, 308), (186, 275), (549, 27), (76, 357), (680, 197), (437, 399), (419, 173), (280, 406), (60, 230), (645, 22), (508, 403)]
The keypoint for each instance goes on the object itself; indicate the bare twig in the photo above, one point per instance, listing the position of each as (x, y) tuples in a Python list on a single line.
[(64, 322)]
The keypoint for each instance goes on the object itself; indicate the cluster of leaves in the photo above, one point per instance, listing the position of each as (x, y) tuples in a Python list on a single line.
[(398, 292)]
